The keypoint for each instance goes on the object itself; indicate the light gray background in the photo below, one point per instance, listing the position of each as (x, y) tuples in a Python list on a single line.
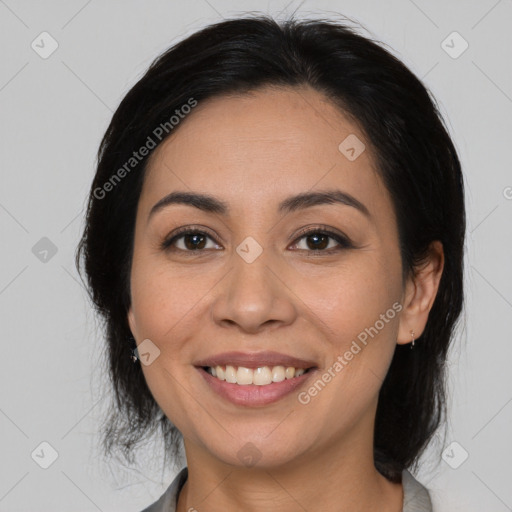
[(54, 112)]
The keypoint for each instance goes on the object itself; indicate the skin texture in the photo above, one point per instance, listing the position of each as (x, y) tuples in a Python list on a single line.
[(253, 151)]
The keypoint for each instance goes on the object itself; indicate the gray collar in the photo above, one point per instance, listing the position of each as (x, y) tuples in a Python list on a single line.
[(416, 497)]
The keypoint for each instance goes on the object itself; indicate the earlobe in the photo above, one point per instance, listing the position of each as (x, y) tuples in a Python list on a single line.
[(131, 321), (421, 291)]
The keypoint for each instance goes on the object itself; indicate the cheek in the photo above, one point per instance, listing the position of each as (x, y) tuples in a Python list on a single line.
[(349, 299), (357, 309), (164, 306), (161, 299), (358, 318)]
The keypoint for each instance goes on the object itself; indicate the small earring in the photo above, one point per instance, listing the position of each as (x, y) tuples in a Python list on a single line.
[(134, 354), (412, 334)]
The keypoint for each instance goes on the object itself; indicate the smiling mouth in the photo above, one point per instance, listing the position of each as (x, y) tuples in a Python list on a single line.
[(261, 376)]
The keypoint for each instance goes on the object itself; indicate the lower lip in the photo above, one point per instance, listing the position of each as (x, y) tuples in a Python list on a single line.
[(252, 395)]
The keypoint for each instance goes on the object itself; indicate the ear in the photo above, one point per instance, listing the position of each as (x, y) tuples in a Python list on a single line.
[(420, 293), (131, 322)]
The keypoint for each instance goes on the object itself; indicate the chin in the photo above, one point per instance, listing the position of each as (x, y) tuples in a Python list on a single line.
[(257, 452)]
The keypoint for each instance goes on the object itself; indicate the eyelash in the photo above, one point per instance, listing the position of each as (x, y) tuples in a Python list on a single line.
[(344, 242)]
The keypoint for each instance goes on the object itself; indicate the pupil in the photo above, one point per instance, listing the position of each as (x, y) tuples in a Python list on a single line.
[(193, 245), (316, 237)]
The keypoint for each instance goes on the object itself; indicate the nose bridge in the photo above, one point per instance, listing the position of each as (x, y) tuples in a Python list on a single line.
[(251, 271), (252, 294)]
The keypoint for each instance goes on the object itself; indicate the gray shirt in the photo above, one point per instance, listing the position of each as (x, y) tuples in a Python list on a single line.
[(416, 497)]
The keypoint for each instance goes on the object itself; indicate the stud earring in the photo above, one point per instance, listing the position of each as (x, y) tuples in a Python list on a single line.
[(134, 354)]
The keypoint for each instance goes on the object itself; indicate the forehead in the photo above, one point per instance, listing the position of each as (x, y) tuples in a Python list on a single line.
[(264, 146)]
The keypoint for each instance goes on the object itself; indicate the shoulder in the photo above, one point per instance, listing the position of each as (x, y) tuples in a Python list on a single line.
[(168, 501), (416, 496)]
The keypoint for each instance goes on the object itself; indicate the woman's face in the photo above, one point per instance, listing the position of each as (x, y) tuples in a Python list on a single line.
[(248, 280)]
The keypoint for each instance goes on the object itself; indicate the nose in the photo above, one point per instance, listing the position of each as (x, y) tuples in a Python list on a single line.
[(253, 297)]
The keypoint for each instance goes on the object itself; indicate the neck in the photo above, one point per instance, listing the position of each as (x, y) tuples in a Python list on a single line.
[(340, 475)]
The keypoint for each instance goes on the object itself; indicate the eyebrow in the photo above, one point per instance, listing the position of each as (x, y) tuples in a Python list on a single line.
[(211, 204)]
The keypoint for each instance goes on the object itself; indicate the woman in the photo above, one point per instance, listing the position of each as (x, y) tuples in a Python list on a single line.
[(277, 224)]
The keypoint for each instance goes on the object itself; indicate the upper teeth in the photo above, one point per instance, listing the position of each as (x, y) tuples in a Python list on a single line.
[(259, 376)]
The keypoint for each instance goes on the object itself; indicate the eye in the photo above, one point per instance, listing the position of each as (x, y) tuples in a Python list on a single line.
[(188, 240), (321, 239)]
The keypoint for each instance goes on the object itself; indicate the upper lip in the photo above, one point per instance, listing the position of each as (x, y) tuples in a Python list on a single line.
[(255, 360)]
